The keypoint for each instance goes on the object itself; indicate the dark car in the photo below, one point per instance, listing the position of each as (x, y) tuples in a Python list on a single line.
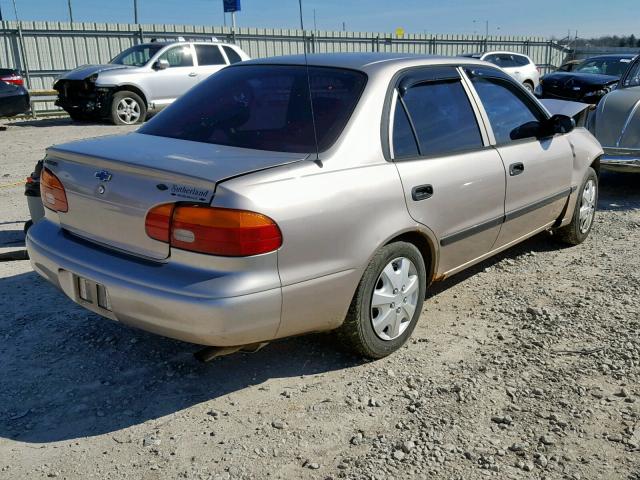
[(11, 75), (14, 99), (569, 66), (588, 82)]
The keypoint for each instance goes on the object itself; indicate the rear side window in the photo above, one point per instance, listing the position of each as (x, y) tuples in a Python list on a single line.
[(209, 55), (404, 142), (264, 107), (232, 55), (442, 117), (506, 105), (521, 60)]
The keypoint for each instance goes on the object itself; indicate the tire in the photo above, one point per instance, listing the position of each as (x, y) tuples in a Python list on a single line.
[(357, 334), (586, 202), (127, 108), (529, 86), (27, 225)]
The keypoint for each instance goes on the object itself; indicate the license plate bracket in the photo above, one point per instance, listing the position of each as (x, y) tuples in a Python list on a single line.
[(90, 292)]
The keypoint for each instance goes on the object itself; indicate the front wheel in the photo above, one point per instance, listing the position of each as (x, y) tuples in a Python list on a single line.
[(388, 302), (127, 108), (584, 212)]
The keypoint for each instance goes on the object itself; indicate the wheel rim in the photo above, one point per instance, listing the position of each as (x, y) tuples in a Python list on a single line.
[(588, 206), (528, 87), (395, 298), (128, 110)]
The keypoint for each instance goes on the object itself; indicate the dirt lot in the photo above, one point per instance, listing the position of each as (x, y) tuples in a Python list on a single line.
[(527, 366)]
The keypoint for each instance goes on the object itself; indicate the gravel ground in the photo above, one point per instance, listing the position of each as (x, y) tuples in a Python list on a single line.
[(527, 366)]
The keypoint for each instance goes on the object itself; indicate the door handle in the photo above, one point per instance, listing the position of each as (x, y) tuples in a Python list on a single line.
[(193, 74), (516, 169), (421, 192)]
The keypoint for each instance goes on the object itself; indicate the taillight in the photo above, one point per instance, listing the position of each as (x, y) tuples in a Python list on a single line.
[(52, 192), (13, 79), (216, 231)]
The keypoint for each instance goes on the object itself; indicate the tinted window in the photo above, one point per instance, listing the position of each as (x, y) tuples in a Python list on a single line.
[(137, 56), (614, 66), (178, 56), (209, 55), (502, 60), (632, 79), (232, 55), (521, 61), (404, 142), (443, 118), (264, 107), (507, 107)]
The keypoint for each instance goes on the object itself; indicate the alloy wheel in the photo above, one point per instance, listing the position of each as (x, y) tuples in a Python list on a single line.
[(128, 110)]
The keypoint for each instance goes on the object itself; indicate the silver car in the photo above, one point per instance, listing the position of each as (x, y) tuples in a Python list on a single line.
[(142, 79), (245, 213)]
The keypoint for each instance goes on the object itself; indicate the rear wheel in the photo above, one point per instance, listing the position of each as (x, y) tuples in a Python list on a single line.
[(127, 108), (529, 86), (386, 307), (584, 213)]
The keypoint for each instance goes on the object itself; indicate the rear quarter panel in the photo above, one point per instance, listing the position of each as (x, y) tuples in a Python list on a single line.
[(332, 221)]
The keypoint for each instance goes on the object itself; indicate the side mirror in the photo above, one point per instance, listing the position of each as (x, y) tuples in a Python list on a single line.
[(161, 65), (561, 124)]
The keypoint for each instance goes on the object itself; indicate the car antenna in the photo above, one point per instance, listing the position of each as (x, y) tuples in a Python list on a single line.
[(306, 64)]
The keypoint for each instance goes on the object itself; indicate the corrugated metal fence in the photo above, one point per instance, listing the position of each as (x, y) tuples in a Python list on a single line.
[(43, 50)]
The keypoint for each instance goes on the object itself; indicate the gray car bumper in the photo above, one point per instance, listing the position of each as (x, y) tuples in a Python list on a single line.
[(167, 299)]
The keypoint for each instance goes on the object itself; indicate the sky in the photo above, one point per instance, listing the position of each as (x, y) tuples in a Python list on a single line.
[(548, 18)]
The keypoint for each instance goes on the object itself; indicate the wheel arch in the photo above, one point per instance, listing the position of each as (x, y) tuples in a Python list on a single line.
[(427, 247), (134, 89)]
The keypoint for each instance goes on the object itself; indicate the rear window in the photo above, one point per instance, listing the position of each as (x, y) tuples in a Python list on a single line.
[(264, 107)]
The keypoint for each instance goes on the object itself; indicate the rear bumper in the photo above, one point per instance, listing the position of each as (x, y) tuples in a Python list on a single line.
[(621, 160), (175, 300)]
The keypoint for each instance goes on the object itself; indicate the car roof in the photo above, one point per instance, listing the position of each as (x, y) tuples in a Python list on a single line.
[(363, 61), (612, 55), (165, 43)]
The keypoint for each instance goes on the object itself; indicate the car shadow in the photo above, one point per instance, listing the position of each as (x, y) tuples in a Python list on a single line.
[(11, 238), (67, 373), (619, 191), (53, 122)]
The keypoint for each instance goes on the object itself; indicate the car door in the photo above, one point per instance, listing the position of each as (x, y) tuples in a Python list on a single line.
[(210, 59), (180, 75), (538, 170), (454, 182)]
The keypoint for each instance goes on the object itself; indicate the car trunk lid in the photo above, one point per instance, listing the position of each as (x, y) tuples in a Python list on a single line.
[(112, 182)]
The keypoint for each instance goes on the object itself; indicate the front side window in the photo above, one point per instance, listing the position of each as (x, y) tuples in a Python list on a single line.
[(506, 105), (209, 55), (632, 79), (136, 56), (264, 107), (442, 117), (178, 56)]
